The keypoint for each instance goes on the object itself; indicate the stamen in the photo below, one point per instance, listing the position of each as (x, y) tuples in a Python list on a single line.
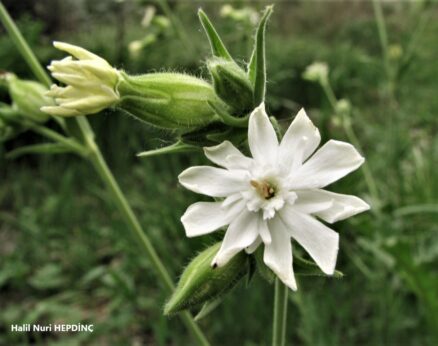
[(263, 188)]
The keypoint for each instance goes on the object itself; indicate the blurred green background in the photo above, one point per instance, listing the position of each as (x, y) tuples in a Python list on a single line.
[(66, 256)]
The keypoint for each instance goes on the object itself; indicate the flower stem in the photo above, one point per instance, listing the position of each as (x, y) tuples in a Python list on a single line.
[(23, 47), (383, 38), (351, 135), (280, 314), (96, 159)]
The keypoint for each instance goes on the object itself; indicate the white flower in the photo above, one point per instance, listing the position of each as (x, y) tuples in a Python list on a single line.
[(91, 83), (274, 196)]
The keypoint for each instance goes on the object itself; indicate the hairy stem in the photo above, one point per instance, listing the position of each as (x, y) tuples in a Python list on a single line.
[(96, 159)]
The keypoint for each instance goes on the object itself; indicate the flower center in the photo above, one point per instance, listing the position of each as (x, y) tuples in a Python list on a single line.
[(264, 188)]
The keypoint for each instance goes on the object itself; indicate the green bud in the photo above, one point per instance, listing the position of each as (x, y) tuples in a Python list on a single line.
[(200, 282), (232, 85), (29, 97), (169, 100)]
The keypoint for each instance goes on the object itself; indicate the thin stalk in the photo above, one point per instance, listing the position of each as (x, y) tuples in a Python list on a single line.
[(96, 159), (23, 47), (352, 137), (69, 142), (383, 38), (177, 26), (381, 29), (280, 314)]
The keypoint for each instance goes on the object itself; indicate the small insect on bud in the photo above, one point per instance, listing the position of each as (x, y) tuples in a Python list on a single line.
[(201, 282), (232, 85), (28, 97)]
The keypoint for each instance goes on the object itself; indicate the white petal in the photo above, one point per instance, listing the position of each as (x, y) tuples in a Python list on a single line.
[(278, 254), (250, 249), (263, 231), (214, 182), (310, 202), (241, 233), (205, 217), (227, 155), (318, 240), (59, 111), (262, 138), (330, 163), (293, 147), (339, 206), (76, 51)]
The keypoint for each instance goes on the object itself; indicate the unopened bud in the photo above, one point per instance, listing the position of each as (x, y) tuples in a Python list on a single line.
[(200, 282), (232, 85), (90, 81), (169, 100), (28, 97), (343, 106), (316, 72)]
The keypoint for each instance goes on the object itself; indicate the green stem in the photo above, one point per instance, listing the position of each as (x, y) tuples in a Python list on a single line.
[(23, 47), (352, 137), (381, 29), (98, 162), (383, 38), (69, 142), (177, 26), (280, 314)]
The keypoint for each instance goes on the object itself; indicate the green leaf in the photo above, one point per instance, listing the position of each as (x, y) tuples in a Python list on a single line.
[(45, 148), (304, 267), (217, 46), (257, 65), (200, 282), (207, 308), (178, 147), (301, 267), (262, 268)]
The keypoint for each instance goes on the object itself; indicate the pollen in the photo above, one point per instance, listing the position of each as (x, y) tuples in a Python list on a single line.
[(265, 189)]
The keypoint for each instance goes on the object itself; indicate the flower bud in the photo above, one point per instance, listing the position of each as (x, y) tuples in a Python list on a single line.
[(316, 72), (90, 81), (200, 282), (28, 97), (169, 100), (231, 84), (343, 106)]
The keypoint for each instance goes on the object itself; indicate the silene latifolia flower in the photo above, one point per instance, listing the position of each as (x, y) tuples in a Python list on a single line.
[(91, 83), (274, 196), (165, 100)]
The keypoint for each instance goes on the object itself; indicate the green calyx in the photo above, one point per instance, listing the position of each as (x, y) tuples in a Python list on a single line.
[(200, 282), (232, 85), (169, 100), (28, 97)]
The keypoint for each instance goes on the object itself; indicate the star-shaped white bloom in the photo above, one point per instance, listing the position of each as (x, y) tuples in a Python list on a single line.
[(274, 196)]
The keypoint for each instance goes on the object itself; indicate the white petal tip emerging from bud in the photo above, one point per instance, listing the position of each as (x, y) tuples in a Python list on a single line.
[(91, 83)]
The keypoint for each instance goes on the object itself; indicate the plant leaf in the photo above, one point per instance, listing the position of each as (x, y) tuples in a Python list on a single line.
[(257, 65), (45, 148), (207, 308), (217, 46), (304, 267), (178, 147)]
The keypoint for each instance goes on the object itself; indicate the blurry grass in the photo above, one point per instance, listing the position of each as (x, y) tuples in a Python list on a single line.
[(66, 256)]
